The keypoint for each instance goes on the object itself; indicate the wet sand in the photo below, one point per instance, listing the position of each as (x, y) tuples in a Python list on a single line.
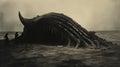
[(37, 55)]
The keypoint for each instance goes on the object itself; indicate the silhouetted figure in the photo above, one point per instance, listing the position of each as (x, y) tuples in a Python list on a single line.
[(16, 35), (6, 38)]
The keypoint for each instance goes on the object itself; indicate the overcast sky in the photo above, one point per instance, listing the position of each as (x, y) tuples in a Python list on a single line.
[(91, 14)]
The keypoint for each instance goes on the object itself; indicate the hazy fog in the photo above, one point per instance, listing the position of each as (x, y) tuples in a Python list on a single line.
[(91, 14)]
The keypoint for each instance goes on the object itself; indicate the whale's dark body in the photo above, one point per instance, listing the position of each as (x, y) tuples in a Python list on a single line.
[(56, 29)]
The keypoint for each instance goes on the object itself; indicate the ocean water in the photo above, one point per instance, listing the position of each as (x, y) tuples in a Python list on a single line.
[(113, 36)]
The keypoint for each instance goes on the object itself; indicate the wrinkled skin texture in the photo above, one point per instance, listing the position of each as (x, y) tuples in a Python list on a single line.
[(56, 29)]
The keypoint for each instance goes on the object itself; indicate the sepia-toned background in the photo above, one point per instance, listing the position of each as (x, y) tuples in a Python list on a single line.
[(91, 14)]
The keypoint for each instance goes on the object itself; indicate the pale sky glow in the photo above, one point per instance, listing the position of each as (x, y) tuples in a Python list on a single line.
[(91, 14)]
